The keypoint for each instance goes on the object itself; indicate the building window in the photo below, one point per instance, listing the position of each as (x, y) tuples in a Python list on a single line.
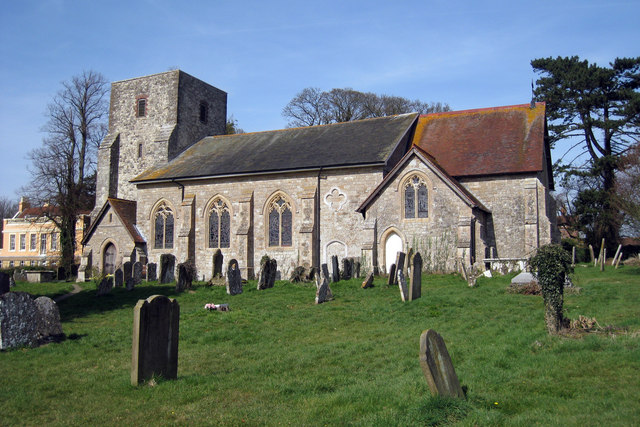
[(12, 242), (141, 107), (32, 263), (22, 263), (43, 243), (164, 227), (11, 264), (54, 241), (204, 112), (416, 198), (280, 222), (219, 225), (32, 242), (23, 242), (139, 151)]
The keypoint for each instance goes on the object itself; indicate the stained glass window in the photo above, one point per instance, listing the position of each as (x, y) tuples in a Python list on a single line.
[(164, 228), (409, 202), (280, 223), (416, 198), (219, 225)]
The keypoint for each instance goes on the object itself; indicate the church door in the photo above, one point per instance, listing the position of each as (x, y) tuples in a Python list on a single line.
[(392, 246), (109, 259)]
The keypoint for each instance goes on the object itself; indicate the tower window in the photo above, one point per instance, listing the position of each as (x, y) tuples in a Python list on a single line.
[(139, 151), (204, 112), (141, 107)]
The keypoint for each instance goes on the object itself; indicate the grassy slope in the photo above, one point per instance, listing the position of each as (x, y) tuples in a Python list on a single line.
[(277, 358)]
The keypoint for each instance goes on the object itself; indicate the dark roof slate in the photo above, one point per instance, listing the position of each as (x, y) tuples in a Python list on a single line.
[(126, 211), (363, 142)]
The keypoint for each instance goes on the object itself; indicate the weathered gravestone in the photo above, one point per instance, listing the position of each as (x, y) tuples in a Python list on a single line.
[(137, 273), (185, 276), (323, 291), (415, 280), (217, 263), (12, 282), (127, 268), (234, 280), (167, 267), (5, 284), (400, 256), (402, 284), (335, 271), (20, 275), (267, 274), (437, 367), (324, 272), (18, 320), (105, 286), (407, 263), (152, 272), (118, 278), (48, 318), (155, 339), (347, 268), (356, 268), (392, 274), (368, 282)]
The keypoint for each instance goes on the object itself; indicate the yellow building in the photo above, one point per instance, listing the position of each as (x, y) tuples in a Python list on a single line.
[(30, 238)]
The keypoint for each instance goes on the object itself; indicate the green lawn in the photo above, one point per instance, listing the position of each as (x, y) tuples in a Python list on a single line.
[(277, 358)]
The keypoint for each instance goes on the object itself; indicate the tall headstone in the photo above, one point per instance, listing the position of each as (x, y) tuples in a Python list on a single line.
[(322, 292), (137, 273), (18, 320), (185, 277), (234, 280), (400, 256), (437, 367), (415, 281), (5, 284), (155, 339), (392, 275), (356, 268), (217, 263), (368, 282), (118, 278), (167, 267), (407, 263), (127, 269), (402, 284), (347, 268), (325, 273), (152, 272), (267, 274), (335, 271), (48, 318), (105, 286)]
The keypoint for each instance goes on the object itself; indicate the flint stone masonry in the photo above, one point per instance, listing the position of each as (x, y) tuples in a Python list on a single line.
[(156, 322), (234, 280), (18, 320), (48, 319), (152, 274), (437, 366), (167, 266)]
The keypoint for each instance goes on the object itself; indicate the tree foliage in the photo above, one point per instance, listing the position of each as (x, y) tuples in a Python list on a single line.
[(598, 110), (232, 127), (628, 190), (312, 106), (63, 168)]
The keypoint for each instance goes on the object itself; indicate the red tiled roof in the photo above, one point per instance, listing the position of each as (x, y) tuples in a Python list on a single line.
[(485, 141), (39, 211)]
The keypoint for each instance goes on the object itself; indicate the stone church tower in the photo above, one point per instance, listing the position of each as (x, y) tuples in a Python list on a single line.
[(152, 119)]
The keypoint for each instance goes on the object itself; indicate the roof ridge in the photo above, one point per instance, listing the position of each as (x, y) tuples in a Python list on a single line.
[(484, 109)]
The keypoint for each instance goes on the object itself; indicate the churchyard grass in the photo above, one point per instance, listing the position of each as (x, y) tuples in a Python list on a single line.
[(276, 358)]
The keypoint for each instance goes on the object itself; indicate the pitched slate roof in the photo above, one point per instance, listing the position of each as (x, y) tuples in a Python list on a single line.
[(486, 141), (126, 211), (364, 142)]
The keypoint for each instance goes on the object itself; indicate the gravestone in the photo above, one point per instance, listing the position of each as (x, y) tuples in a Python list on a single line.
[(325, 272), (217, 263), (356, 268), (407, 263), (185, 276), (137, 273), (152, 269), (118, 278), (167, 267), (19, 275), (335, 271), (368, 282), (18, 320), (5, 284), (400, 256), (12, 282), (437, 367), (127, 268), (267, 274), (48, 318), (392, 274), (402, 284), (415, 280), (156, 322), (61, 273), (129, 284), (347, 268), (323, 291), (234, 280), (105, 286)]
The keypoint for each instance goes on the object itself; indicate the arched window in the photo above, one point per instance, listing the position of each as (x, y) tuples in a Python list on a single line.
[(416, 198), (219, 225), (280, 222), (163, 227)]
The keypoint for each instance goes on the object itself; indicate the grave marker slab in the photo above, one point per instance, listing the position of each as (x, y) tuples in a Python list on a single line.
[(415, 280), (185, 277), (402, 284), (118, 278), (400, 256), (48, 318), (105, 286), (18, 320), (234, 280), (335, 271), (152, 272), (368, 282), (5, 284), (437, 367), (392, 274), (137, 273), (217, 263), (267, 274), (167, 268), (127, 269)]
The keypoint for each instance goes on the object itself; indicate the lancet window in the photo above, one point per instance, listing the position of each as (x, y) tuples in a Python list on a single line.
[(416, 198), (219, 225), (164, 227), (280, 222)]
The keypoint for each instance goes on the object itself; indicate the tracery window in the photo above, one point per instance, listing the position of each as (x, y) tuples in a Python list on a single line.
[(280, 222), (163, 227), (219, 225), (416, 198)]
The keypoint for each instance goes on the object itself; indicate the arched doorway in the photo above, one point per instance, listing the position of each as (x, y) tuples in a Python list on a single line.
[(392, 246), (109, 259)]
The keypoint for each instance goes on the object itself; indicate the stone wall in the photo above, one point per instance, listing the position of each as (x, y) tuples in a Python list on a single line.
[(110, 230)]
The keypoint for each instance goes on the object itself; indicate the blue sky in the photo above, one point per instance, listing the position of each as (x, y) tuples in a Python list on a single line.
[(468, 54)]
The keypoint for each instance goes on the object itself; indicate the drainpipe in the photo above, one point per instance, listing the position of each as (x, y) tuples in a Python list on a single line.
[(181, 187)]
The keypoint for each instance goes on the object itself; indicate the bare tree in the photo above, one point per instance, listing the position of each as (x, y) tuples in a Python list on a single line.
[(313, 106), (8, 209), (627, 193), (63, 169)]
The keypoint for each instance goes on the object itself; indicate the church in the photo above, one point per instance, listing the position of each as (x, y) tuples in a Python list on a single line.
[(470, 187)]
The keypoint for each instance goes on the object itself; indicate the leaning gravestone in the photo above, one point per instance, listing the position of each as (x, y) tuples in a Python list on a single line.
[(323, 292), (347, 268), (105, 286), (118, 278), (335, 272), (402, 284), (368, 282), (415, 280), (325, 272), (152, 274), (392, 274), (267, 275), (437, 367), (137, 273), (18, 320), (400, 256), (49, 318), (234, 280), (167, 267), (155, 339), (185, 277), (5, 284), (217, 263)]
